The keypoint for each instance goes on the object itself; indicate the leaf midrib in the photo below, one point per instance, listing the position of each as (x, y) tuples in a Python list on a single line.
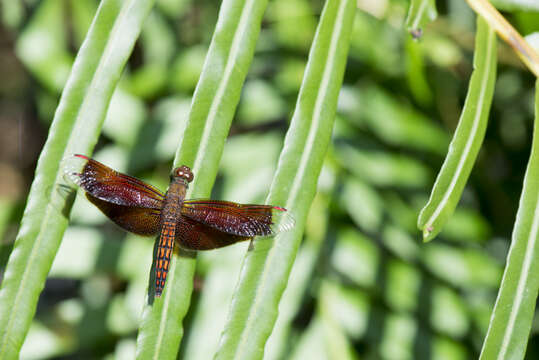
[(420, 10), (49, 207), (469, 141), (206, 135), (526, 266), (315, 124), (233, 55)]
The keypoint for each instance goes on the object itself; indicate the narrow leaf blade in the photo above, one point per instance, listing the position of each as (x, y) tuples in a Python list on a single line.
[(214, 103), (512, 317), (75, 129), (266, 269), (467, 139), (420, 13)]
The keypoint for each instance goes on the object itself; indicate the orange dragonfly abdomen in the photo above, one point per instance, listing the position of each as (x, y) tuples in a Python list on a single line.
[(164, 253), (169, 217)]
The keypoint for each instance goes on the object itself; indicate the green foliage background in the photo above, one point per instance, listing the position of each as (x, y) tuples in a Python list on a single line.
[(363, 284)]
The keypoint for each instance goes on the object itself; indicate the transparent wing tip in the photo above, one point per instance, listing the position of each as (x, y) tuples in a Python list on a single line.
[(69, 181), (72, 167), (282, 220)]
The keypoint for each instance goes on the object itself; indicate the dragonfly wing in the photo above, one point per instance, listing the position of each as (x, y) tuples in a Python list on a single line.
[(194, 235), (129, 202), (138, 220), (246, 220), (111, 186)]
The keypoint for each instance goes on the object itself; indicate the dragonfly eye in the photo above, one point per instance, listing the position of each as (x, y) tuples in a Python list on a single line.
[(183, 172)]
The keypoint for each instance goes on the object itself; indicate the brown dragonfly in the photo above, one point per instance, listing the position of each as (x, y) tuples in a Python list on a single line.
[(142, 209)]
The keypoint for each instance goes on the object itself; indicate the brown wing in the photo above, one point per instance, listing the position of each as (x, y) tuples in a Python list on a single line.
[(138, 220), (112, 186), (193, 235), (245, 220), (129, 202)]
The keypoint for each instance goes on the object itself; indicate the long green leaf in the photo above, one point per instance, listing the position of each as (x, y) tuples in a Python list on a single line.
[(516, 5), (75, 128), (420, 13), (514, 311), (266, 269), (214, 103), (316, 230), (467, 139)]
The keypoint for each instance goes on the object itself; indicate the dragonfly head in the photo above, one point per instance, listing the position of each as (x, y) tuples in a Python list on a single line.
[(183, 172)]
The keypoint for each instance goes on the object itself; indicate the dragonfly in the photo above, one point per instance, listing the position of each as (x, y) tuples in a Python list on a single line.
[(197, 224)]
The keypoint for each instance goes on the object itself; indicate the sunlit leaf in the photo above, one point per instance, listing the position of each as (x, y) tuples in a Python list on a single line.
[(467, 139), (513, 313), (357, 257), (266, 269), (516, 5), (75, 129), (200, 147)]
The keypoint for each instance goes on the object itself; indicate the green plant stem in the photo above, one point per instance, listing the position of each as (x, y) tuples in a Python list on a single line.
[(467, 139), (420, 13), (75, 129), (512, 317), (214, 103), (266, 268)]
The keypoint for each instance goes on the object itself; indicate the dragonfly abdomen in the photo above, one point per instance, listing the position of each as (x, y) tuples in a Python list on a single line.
[(164, 254), (169, 217)]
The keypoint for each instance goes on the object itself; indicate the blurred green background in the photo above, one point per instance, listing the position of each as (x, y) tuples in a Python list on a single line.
[(363, 283)]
